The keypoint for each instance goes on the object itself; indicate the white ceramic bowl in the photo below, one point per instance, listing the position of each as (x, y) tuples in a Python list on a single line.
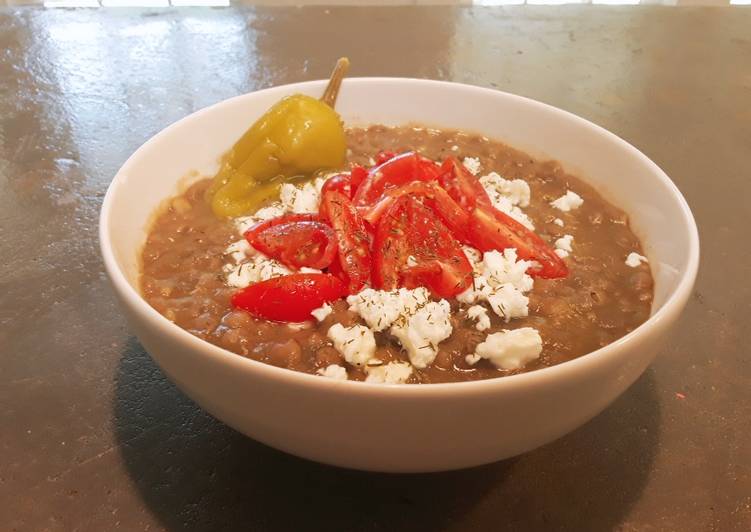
[(405, 428)]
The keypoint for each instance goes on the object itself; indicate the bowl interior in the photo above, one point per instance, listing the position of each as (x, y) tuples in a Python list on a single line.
[(191, 148)]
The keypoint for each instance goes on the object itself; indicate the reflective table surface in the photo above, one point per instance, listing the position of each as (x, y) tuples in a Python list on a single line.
[(94, 437)]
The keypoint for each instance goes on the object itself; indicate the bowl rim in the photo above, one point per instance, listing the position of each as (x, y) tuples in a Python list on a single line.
[(539, 377)]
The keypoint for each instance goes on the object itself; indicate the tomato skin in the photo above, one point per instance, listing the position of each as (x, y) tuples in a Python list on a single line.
[(290, 298), (393, 173), (298, 244), (491, 229), (432, 195), (341, 183), (410, 229), (283, 219), (352, 236), (464, 188), (383, 156)]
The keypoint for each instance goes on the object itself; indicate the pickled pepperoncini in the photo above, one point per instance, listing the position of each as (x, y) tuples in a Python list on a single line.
[(298, 136)]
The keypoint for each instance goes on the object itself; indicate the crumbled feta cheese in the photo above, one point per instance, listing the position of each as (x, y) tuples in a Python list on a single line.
[(321, 312), (259, 268), (333, 371), (563, 246), (516, 190), (472, 359), (243, 223), (634, 260), (480, 315), (305, 269), (558, 222), (380, 308), (239, 250), (474, 256), (568, 202), (501, 268), (472, 164), (508, 302), (320, 181), (510, 349), (454, 148), (421, 332), (411, 261), (501, 280), (508, 196), (391, 373), (300, 200), (356, 343)]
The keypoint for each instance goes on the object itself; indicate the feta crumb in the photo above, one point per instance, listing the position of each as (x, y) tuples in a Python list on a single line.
[(421, 332), (454, 148), (508, 196), (243, 223), (509, 302), (259, 268), (563, 246), (516, 190), (305, 269), (391, 373), (371, 161), (501, 268), (380, 308), (333, 371), (568, 202), (510, 349), (634, 260), (300, 200), (472, 359), (472, 164), (501, 280), (480, 315), (411, 261), (558, 222), (321, 312), (474, 256), (239, 250), (356, 343)]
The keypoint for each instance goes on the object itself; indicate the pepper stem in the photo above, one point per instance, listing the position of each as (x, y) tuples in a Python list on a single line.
[(335, 82)]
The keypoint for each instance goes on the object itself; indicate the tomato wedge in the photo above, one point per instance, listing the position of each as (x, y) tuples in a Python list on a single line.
[(433, 196), (290, 298), (295, 241), (462, 186), (407, 232), (394, 172), (352, 237), (490, 229), (346, 182)]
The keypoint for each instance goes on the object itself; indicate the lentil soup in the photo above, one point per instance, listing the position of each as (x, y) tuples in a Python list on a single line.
[(193, 264)]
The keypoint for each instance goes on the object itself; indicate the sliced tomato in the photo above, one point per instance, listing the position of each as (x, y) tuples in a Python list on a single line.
[(290, 298), (312, 244), (432, 195), (383, 156), (346, 182), (352, 237), (393, 173), (335, 269), (491, 229), (462, 186), (407, 232), (284, 219)]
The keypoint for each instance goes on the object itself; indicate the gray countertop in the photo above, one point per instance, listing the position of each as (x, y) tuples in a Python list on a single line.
[(93, 436)]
